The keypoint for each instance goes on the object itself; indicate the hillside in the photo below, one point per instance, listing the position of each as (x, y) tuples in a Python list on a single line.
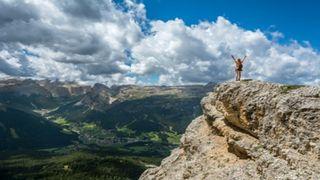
[(249, 130), (20, 130), (104, 115), (45, 125)]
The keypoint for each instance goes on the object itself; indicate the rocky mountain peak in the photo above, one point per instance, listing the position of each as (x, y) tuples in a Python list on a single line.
[(249, 130)]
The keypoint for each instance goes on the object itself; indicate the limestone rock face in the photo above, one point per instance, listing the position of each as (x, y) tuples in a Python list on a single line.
[(249, 130)]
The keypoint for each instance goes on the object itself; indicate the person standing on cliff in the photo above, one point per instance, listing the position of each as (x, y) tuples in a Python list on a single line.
[(239, 66)]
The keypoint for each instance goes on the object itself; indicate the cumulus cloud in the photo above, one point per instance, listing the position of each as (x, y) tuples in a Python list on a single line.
[(102, 41), (68, 40), (200, 53)]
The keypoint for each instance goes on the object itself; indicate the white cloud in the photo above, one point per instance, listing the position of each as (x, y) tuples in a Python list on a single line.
[(200, 53), (69, 40)]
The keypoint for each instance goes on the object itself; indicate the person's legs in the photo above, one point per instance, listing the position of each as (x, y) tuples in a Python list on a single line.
[(239, 76), (236, 72)]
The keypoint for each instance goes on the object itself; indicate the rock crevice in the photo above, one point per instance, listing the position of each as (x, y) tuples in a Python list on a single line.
[(249, 130)]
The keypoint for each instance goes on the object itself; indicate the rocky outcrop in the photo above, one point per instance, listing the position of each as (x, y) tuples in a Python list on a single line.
[(249, 130)]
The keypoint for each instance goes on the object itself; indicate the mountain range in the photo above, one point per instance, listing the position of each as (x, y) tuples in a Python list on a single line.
[(61, 119)]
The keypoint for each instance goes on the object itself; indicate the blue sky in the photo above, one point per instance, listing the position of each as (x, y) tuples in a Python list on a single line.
[(296, 19)]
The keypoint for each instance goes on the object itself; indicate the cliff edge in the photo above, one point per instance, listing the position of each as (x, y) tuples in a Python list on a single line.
[(249, 130)]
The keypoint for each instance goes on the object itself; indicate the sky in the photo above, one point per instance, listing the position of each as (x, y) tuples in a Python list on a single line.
[(160, 42), (295, 19)]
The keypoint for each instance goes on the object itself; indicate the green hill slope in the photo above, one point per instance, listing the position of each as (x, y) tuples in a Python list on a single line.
[(21, 130)]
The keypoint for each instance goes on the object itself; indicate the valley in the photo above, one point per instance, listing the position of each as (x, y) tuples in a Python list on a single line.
[(53, 127)]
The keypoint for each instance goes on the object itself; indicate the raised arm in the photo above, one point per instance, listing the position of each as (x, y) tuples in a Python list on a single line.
[(244, 59), (234, 59)]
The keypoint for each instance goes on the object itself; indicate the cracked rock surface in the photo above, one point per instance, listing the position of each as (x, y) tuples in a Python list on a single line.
[(249, 130)]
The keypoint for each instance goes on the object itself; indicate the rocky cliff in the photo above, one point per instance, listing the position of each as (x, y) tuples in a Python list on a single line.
[(249, 130)]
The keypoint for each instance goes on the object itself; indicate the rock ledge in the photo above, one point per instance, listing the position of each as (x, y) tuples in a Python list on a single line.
[(249, 130)]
